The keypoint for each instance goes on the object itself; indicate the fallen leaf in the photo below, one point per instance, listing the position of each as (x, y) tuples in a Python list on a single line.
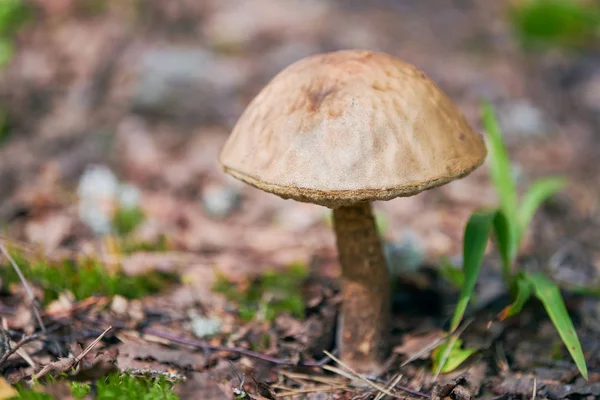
[(456, 389), (413, 345), (265, 390), (82, 361), (49, 231), (101, 365), (55, 368), (132, 353)]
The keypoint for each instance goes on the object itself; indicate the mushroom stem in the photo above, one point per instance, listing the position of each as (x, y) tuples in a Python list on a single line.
[(363, 334)]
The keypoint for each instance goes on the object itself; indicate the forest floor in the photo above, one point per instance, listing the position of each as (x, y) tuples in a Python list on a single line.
[(150, 92)]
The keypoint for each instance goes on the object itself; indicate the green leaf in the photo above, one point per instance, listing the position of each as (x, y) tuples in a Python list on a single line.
[(6, 51), (537, 193), (555, 22), (381, 223), (524, 289), (476, 237), (499, 162), (455, 357), (454, 275), (505, 236), (549, 294), (126, 219), (13, 13)]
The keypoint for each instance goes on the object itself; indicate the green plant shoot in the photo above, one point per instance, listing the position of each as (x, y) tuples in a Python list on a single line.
[(556, 23), (475, 241), (508, 223)]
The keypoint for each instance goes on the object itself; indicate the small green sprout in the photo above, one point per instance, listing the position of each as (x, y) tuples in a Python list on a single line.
[(268, 295), (126, 219), (509, 223), (555, 23), (13, 14)]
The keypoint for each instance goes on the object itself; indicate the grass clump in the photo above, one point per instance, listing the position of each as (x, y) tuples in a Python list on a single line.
[(126, 245), (507, 224), (127, 218), (119, 386), (114, 387), (268, 295), (555, 23), (79, 389), (4, 126), (84, 278), (13, 14)]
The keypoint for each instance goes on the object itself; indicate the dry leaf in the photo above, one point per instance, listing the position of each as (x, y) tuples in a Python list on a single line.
[(138, 355), (414, 345)]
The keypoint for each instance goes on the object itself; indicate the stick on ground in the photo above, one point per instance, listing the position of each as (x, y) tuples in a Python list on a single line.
[(34, 304)]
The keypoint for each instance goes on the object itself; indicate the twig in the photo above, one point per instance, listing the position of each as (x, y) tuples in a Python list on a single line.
[(17, 346), (239, 350), (303, 378), (424, 350), (454, 335), (389, 386), (370, 383), (65, 364), (5, 339), (25, 356), (320, 389), (36, 311), (205, 346), (91, 346), (352, 375)]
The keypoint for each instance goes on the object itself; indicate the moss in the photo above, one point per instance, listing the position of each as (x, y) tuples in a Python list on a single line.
[(131, 245), (115, 387), (563, 23), (13, 14), (118, 386), (83, 278), (4, 122), (381, 222), (268, 295), (79, 390), (126, 219)]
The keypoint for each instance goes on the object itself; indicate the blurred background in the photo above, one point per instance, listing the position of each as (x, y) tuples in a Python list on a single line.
[(112, 114)]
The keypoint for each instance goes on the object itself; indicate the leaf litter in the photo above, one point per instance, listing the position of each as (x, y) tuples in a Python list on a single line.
[(70, 109)]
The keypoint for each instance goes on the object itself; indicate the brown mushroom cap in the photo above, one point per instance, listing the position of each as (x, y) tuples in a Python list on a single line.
[(351, 126)]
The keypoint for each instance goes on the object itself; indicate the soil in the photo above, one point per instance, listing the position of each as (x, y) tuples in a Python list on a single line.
[(151, 89)]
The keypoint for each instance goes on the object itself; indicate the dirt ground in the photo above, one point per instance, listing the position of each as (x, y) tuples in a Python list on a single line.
[(151, 89)]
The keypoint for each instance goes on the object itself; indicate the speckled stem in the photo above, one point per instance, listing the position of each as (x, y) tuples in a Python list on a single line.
[(364, 323)]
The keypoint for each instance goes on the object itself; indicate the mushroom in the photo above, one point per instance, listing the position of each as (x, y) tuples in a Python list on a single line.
[(342, 130)]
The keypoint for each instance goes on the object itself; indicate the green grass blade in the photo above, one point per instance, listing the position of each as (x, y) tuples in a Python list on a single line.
[(451, 358), (499, 162), (555, 22), (523, 293), (6, 51), (13, 13), (537, 193), (452, 274), (475, 241), (505, 235), (549, 294)]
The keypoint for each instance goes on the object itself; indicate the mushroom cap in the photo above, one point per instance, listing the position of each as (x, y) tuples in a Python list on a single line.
[(351, 126)]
